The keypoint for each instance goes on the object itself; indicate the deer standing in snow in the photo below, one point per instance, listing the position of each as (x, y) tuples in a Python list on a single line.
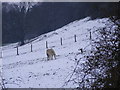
[(50, 54)]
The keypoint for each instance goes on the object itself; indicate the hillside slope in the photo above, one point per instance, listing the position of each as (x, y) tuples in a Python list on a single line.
[(32, 70)]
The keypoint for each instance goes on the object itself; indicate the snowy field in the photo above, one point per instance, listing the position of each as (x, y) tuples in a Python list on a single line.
[(32, 70)]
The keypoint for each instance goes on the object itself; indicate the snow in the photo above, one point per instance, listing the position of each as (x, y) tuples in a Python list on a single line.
[(32, 70)]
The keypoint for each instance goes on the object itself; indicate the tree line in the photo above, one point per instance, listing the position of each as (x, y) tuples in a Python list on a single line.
[(23, 21)]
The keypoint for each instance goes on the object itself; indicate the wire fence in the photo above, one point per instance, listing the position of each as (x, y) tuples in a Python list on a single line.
[(61, 42)]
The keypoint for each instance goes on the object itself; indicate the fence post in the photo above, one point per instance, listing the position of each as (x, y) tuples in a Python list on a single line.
[(46, 44), (75, 38), (17, 51), (1, 54), (31, 47), (61, 41), (90, 35)]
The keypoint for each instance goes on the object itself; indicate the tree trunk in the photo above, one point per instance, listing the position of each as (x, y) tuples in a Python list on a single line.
[(22, 22)]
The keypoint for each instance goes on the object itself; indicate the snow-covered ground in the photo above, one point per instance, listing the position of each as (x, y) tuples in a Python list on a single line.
[(32, 70)]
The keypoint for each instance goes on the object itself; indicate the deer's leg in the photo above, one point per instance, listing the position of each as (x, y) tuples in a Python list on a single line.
[(48, 57), (55, 56)]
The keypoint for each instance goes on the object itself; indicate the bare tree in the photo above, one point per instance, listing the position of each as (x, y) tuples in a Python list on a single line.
[(23, 9)]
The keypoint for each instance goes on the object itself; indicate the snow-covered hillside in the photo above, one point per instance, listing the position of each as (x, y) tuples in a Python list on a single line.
[(31, 69)]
